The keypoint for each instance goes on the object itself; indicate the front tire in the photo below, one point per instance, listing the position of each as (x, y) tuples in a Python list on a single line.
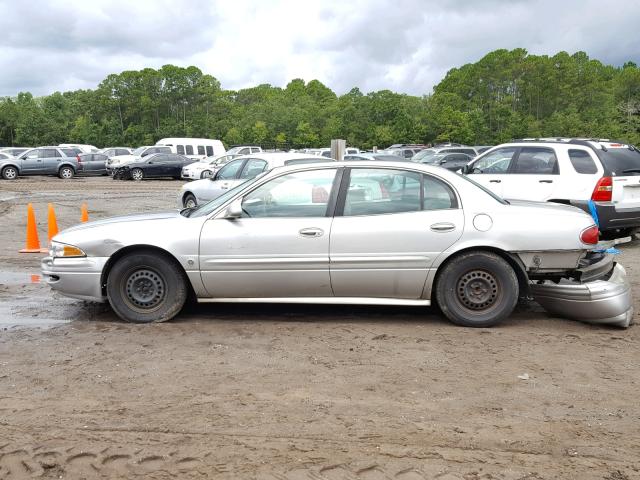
[(9, 173), (146, 287), (137, 174), (477, 289), (66, 173), (189, 201), (206, 174)]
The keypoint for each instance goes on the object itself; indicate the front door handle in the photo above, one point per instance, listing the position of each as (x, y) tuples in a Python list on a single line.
[(442, 227), (311, 232), (545, 181), (495, 181)]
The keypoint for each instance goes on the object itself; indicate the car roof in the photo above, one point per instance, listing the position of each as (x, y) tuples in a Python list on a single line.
[(274, 157)]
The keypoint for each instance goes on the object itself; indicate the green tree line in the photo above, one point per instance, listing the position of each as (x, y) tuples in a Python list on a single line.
[(505, 95)]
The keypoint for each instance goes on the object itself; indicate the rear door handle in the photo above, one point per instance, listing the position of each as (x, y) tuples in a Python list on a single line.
[(545, 181), (442, 227), (311, 232), (495, 181)]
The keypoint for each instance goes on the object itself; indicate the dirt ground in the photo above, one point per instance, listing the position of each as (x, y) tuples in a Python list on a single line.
[(296, 392)]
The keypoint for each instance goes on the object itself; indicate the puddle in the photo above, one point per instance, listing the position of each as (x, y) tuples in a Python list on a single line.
[(19, 278)]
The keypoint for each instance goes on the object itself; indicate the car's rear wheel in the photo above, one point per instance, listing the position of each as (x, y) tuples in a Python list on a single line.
[(206, 174), (137, 174), (66, 173), (146, 287), (477, 289), (9, 173), (189, 201)]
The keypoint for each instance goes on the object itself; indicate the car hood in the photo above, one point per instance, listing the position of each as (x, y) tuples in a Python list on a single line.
[(142, 217)]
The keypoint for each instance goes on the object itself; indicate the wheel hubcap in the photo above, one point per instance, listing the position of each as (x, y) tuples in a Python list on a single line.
[(66, 173), (477, 290), (10, 173), (206, 174), (145, 289), (137, 175), (191, 203)]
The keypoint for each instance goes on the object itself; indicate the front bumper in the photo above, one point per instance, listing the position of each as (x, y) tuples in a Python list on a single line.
[(610, 217), (605, 301), (75, 277)]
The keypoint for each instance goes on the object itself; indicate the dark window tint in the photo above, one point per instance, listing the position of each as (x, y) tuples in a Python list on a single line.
[(180, 149), (536, 160), (621, 161), (201, 150), (162, 150), (230, 170), (253, 168), (209, 151), (189, 149), (49, 152), (582, 162)]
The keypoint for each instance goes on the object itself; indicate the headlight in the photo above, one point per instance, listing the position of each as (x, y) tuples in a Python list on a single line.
[(59, 250)]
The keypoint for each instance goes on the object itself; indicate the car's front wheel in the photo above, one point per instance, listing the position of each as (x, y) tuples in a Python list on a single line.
[(477, 289), (137, 174), (9, 173), (66, 173), (189, 201), (146, 287), (206, 174)]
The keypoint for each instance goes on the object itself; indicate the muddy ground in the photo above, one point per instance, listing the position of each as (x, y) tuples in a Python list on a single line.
[(296, 392)]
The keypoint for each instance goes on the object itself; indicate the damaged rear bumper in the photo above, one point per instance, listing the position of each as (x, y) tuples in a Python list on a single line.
[(606, 300)]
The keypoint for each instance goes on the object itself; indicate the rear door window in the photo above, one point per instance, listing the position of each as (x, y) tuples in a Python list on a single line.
[(582, 162), (209, 149), (536, 161), (189, 149), (180, 149), (201, 150), (49, 153)]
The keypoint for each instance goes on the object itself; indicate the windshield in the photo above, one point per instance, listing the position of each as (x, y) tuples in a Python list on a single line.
[(621, 161), (418, 157), (138, 151), (485, 190), (233, 150), (206, 208)]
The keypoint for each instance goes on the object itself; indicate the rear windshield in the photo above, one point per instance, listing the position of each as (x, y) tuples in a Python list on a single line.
[(621, 161)]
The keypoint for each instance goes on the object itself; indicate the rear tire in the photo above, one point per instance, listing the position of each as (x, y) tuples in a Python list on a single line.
[(146, 287), (9, 173), (66, 173), (477, 289), (189, 201), (137, 174)]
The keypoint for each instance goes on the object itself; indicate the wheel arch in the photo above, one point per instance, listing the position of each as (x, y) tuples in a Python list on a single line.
[(183, 197), (513, 261), (70, 165), (5, 165), (113, 259)]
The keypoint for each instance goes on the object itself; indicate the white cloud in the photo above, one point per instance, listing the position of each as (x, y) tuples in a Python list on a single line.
[(406, 45)]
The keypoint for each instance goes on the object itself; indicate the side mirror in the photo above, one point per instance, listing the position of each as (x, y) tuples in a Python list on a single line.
[(234, 210), (442, 161)]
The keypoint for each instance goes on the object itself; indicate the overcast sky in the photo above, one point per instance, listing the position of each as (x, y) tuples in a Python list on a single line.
[(402, 45)]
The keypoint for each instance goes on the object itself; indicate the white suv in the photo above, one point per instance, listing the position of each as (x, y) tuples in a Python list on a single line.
[(600, 173)]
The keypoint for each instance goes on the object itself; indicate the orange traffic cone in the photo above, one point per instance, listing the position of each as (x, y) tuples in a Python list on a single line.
[(53, 226), (33, 242), (84, 216)]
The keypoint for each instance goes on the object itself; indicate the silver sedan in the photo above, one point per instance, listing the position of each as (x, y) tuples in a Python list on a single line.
[(384, 233)]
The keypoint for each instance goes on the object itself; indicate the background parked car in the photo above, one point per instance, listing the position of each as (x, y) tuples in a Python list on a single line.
[(136, 155), (238, 171), (450, 161), (405, 152), (83, 148), (158, 165), (115, 151), (205, 168), (243, 150), (382, 157), (92, 164), (427, 152), (14, 151), (578, 172), (196, 148), (42, 161)]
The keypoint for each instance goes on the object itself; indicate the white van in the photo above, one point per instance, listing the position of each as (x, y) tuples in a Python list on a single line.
[(199, 148)]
